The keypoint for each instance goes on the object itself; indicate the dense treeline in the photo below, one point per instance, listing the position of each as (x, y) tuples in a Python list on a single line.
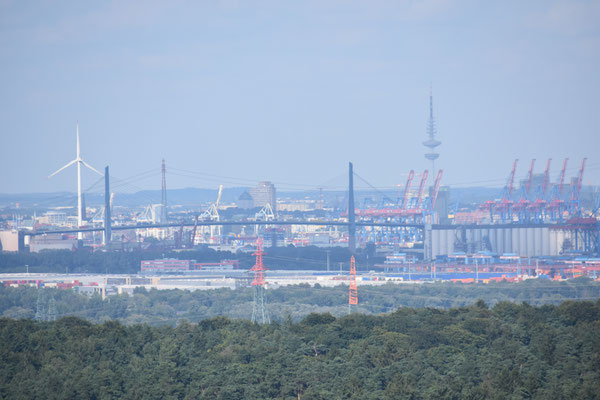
[(509, 351), (157, 307), (119, 262)]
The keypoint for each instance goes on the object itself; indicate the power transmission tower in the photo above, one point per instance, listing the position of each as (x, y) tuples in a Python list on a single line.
[(163, 200), (353, 292), (260, 313), (320, 203), (52, 313), (351, 211), (40, 310), (107, 204)]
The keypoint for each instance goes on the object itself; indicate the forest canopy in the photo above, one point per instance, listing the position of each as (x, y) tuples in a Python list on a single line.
[(508, 351), (160, 307)]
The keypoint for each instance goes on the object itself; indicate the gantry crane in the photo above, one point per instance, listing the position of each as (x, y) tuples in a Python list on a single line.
[(411, 175), (212, 214), (421, 186)]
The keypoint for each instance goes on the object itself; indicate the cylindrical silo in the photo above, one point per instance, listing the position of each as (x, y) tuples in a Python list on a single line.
[(560, 238), (442, 242), (538, 242), (508, 242), (492, 236), (500, 241), (530, 242), (435, 242), (523, 250), (553, 239), (516, 243), (469, 239), (478, 237), (450, 238), (545, 241)]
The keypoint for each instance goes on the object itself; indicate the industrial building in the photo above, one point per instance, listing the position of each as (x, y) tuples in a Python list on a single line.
[(52, 242), (523, 240), (57, 218), (167, 265), (12, 240), (263, 194), (176, 266), (245, 201)]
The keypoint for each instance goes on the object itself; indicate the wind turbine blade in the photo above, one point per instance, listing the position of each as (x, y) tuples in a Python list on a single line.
[(92, 168), (66, 166)]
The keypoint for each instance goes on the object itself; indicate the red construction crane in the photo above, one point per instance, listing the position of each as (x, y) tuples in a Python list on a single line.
[(561, 180), (193, 236), (179, 237), (411, 174), (421, 186), (511, 179), (529, 177), (436, 187), (504, 206), (353, 292), (546, 182), (556, 206)]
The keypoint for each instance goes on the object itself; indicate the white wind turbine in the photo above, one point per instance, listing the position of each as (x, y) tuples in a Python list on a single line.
[(79, 161)]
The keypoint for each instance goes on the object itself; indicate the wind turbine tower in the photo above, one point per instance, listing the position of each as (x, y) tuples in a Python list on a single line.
[(79, 161), (431, 143)]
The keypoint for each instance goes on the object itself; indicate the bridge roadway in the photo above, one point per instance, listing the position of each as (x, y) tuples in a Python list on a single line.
[(229, 223), (297, 222)]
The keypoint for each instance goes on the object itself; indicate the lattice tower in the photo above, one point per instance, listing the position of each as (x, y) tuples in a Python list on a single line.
[(353, 292), (41, 313), (163, 200), (52, 313), (260, 313)]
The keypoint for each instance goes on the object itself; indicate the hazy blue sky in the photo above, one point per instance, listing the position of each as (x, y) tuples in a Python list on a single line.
[(290, 91)]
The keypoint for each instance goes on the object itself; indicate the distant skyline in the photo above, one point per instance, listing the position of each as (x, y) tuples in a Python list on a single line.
[(290, 92)]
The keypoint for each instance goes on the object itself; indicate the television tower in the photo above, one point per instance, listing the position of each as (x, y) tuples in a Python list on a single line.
[(431, 143), (353, 291), (259, 310)]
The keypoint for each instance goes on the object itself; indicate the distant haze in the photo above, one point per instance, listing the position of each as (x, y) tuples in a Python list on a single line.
[(235, 92)]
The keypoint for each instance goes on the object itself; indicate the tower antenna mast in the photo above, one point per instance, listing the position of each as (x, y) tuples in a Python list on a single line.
[(431, 143)]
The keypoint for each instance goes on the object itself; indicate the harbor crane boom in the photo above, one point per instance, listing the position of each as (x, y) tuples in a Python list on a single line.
[(421, 186), (411, 175)]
